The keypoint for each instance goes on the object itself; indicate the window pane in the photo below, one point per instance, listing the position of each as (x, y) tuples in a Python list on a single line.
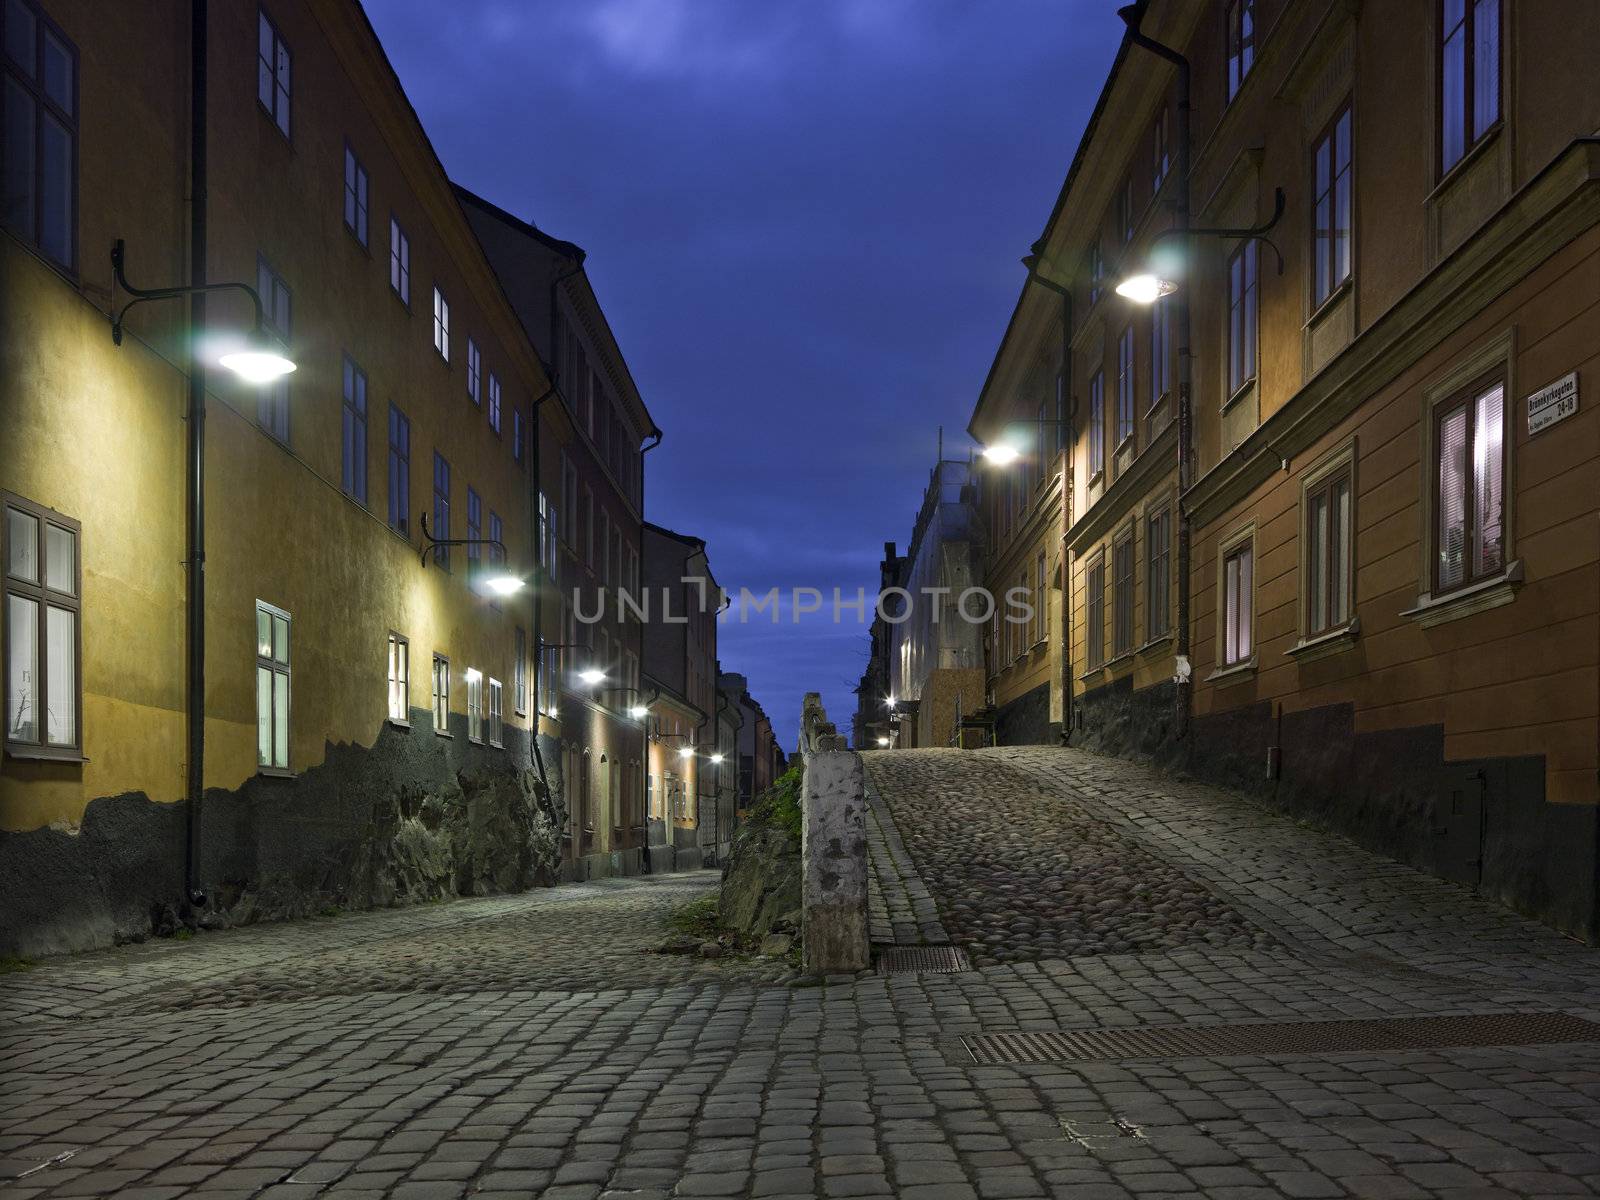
[(1230, 618), (264, 61), (61, 698), (1485, 66), (280, 638), (1451, 506), (1339, 540), (22, 657), (280, 719), (1246, 584), (1452, 114), (1488, 482), (263, 633), (16, 187), (21, 35), (263, 717), (22, 545), (58, 72), (59, 555), (1316, 562)]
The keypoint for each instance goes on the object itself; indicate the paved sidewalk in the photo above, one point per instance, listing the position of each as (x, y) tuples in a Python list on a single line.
[(900, 909), (528, 1045)]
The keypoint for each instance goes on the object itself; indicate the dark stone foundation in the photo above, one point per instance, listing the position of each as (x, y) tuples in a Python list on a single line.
[(1026, 721)]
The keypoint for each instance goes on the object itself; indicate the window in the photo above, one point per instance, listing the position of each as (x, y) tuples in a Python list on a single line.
[(355, 195), (474, 359), (1469, 500), (43, 643), (1241, 317), (519, 671), (1125, 405), (549, 678), (496, 721), (1097, 423), (1237, 605), (474, 705), (441, 324), (1469, 76), (39, 148), (399, 679), (1122, 594), (1041, 605), (1160, 151), (1094, 628), (1241, 38), (354, 478), (1157, 573), (1125, 212), (441, 508), (494, 402), (399, 471), (1330, 228), (272, 687), (399, 262), (517, 453), (272, 402), (496, 550), (272, 73), (441, 694), (1327, 549), (474, 535), (1160, 350), (1097, 272)]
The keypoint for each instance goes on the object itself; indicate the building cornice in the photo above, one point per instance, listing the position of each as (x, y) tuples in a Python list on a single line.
[(1553, 209), (1157, 461)]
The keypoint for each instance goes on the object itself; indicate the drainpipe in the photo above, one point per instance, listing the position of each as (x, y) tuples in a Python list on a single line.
[(644, 732), (1132, 15), (196, 581)]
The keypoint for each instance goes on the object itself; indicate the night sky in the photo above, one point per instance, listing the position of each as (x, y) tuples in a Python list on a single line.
[(803, 219)]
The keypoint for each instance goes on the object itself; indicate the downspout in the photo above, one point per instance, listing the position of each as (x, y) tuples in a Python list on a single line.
[(1132, 15), (644, 732), (196, 581)]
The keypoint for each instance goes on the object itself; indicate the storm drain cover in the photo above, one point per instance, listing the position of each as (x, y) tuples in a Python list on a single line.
[(1296, 1037), (903, 960)]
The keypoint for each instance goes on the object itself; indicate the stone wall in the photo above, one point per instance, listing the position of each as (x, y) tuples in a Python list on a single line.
[(833, 848), (413, 817)]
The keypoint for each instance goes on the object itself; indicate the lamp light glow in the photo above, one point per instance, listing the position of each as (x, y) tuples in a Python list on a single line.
[(883, 741), (1001, 454), (638, 712), (503, 585), (1145, 288), (257, 364), (592, 676), (686, 752), (716, 758)]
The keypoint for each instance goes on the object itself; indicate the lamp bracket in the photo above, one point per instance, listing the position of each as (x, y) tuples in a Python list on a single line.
[(140, 295), (432, 544)]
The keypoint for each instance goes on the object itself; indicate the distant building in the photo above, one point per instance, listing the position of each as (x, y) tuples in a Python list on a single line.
[(761, 758), (936, 665), (872, 720)]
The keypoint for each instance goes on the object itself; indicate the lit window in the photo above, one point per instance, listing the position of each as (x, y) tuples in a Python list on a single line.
[(1327, 543), (355, 195), (1241, 317), (1469, 73), (399, 262), (1240, 21), (1330, 227), (399, 678), (272, 687), (496, 722), (474, 705), (1097, 423), (1237, 605), (441, 324), (354, 434), (272, 73), (1470, 453), (42, 605), (474, 360), (441, 694), (519, 671), (272, 401), (39, 148)]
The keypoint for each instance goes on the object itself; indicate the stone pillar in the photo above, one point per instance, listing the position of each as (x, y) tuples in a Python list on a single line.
[(833, 848)]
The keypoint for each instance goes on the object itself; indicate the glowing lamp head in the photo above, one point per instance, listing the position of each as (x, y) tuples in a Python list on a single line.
[(1001, 454), (503, 585), (592, 676), (638, 712), (1145, 288), (883, 741), (716, 758), (259, 366), (685, 752)]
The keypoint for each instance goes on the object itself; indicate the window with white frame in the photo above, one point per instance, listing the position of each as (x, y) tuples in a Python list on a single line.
[(474, 361), (496, 721), (41, 586), (1327, 552), (273, 78), (441, 694), (272, 687), (1238, 605), (399, 678), (474, 705), (355, 195), (399, 262), (1470, 447), (519, 671), (441, 323)]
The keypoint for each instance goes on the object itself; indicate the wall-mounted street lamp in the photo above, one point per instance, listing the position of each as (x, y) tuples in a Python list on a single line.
[(593, 676), (503, 584), (260, 360), (1146, 287), (883, 741), (716, 759)]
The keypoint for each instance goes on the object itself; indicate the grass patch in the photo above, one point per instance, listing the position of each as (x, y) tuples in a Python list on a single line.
[(698, 918), (183, 935), (780, 803), (9, 965)]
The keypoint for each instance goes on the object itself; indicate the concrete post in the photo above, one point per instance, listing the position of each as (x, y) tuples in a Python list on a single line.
[(833, 848)]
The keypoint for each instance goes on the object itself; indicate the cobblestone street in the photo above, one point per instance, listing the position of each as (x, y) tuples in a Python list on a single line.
[(530, 1045)]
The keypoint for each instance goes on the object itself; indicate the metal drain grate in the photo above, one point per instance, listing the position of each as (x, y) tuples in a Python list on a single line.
[(1295, 1037), (903, 960)]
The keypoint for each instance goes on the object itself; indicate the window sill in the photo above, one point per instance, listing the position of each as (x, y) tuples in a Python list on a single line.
[(1243, 390), (1233, 673), (497, 745), (1479, 597), (1117, 660), (277, 773), (1333, 300), (398, 723), (1466, 162), (472, 741), (40, 754), (444, 733), (1154, 643), (1092, 672), (1334, 641)]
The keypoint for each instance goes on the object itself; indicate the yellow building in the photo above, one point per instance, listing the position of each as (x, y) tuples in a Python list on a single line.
[(366, 701)]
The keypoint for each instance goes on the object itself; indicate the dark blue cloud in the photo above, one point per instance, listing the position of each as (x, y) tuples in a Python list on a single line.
[(803, 218)]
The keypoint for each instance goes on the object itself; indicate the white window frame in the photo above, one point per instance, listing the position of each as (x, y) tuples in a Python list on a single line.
[(474, 705), (496, 713), (441, 323), (440, 695), (399, 679), (1241, 617), (276, 667), (45, 597)]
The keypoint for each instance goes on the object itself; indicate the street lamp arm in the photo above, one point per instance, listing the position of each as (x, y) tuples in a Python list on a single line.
[(1256, 233), (140, 295), (432, 545)]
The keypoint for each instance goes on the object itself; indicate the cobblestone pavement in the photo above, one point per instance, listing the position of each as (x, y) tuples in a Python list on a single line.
[(527, 1046), (900, 908)]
